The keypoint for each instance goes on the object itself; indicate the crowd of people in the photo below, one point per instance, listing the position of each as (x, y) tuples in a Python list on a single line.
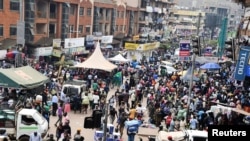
[(167, 96)]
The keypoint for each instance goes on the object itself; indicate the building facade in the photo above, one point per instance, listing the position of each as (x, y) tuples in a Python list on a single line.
[(46, 20)]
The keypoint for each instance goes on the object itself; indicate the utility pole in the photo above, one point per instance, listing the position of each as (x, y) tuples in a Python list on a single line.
[(105, 122), (190, 88), (198, 24)]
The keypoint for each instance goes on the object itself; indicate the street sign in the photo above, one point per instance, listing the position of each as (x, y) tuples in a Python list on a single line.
[(185, 48)]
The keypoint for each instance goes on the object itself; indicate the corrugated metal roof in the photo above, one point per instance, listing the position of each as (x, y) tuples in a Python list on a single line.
[(7, 43)]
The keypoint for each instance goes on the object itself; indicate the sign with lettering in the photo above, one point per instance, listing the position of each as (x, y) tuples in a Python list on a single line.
[(185, 48), (241, 67), (131, 46)]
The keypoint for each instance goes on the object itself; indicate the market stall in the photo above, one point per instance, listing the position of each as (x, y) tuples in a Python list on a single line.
[(22, 78)]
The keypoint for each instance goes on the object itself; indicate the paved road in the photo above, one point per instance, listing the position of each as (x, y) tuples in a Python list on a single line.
[(77, 120)]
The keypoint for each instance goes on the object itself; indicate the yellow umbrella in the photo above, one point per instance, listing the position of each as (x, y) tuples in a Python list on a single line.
[(182, 72)]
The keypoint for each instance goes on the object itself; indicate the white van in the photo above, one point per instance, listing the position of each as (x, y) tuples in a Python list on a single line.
[(74, 87), (168, 66)]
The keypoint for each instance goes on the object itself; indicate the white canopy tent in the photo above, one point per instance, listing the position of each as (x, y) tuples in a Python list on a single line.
[(118, 58), (97, 61)]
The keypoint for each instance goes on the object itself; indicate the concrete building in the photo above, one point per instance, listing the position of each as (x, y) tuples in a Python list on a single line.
[(216, 10), (186, 21), (46, 19)]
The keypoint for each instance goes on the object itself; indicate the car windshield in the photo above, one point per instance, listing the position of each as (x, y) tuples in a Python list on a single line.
[(39, 118)]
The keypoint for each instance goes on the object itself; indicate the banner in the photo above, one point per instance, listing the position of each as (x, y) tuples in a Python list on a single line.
[(56, 42), (241, 66), (107, 39), (74, 42), (185, 48), (208, 51), (131, 46)]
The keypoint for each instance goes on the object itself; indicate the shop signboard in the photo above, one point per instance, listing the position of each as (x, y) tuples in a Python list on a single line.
[(74, 42), (56, 53), (131, 46), (107, 39), (56, 43), (185, 48), (149, 46), (241, 66), (208, 51), (43, 51)]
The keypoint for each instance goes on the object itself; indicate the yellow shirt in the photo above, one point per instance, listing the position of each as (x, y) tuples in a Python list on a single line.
[(132, 113)]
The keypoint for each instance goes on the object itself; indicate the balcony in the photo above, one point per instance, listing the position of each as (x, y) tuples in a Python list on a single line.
[(41, 14)]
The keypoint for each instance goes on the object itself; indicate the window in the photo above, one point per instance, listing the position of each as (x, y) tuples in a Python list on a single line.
[(121, 27), (13, 30), (80, 28), (89, 12), (1, 4), (118, 14), (125, 27), (116, 28), (27, 120), (122, 14), (87, 29), (72, 9), (81, 11), (1, 30), (71, 28), (14, 5)]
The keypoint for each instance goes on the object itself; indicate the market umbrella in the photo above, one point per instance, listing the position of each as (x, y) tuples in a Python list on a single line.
[(210, 66)]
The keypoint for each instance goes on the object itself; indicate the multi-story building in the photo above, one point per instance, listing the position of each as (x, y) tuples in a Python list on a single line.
[(244, 30), (216, 11), (154, 14), (186, 21), (46, 20)]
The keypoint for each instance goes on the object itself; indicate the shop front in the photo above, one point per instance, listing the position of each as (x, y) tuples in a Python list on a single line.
[(75, 47), (43, 53), (140, 51)]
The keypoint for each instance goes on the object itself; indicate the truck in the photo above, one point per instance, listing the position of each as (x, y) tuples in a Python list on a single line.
[(186, 135), (19, 124), (73, 87)]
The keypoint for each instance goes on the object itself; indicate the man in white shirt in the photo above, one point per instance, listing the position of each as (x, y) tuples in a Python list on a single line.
[(35, 137), (54, 101), (63, 97), (96, 100)]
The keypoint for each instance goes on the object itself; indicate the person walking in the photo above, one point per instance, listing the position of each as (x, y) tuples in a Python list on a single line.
[(59, 114), (54, 104), (59, 131), (112, 114)]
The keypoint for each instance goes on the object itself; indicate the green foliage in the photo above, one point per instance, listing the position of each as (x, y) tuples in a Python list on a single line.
[(212, 43)]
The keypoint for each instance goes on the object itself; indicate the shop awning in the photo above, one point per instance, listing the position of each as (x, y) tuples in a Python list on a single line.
[(7, 43), (115, 42), (22, 78), (119, 36), (44, 41)]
